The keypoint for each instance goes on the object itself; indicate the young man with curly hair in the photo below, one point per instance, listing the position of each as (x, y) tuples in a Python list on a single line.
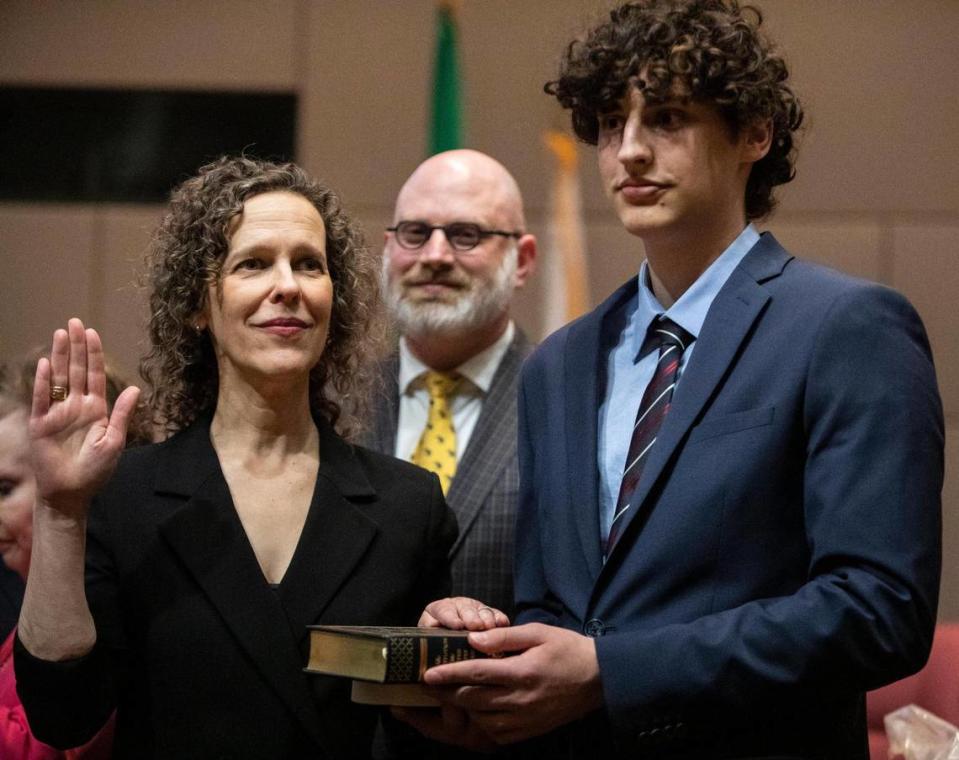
[(729, 521)]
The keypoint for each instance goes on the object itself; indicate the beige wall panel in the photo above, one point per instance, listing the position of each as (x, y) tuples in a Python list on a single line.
[(949, 595), (367, 86), (926, 269), (47, 270), (364, 95), (851, 247), (510, 50), (122, 306), (612, 257), (373, 221), (246, 44), (527, 306), (877, 79)]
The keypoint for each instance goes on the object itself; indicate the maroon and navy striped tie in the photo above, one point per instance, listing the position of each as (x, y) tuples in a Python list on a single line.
[(672, 340)]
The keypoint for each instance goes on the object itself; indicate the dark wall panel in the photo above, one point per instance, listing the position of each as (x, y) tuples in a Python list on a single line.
[(129, 146)]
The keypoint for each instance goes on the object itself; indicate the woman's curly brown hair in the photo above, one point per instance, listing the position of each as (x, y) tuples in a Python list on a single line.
[(185, 258), (711, 52)]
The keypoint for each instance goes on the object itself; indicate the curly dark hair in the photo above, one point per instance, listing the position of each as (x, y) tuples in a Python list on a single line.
[(711, 51), (185, 258)]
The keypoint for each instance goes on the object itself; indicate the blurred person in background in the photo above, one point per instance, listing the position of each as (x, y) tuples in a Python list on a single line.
[(208, 554), (17, 496)]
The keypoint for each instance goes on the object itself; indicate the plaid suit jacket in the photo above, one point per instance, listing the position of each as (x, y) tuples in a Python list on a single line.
[(484, 490)]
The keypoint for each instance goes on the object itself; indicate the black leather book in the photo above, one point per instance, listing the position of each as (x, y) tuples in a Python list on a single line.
[(384, 654)]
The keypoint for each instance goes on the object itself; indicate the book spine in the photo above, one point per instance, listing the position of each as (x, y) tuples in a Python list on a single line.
[(408, 657)]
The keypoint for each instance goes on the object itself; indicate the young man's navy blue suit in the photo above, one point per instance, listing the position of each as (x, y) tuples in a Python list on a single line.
[(783, 555)]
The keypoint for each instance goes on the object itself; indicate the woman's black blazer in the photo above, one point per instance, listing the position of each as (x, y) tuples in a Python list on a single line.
[(199, 655)]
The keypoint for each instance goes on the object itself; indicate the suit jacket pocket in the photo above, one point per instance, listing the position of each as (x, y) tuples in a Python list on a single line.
[(731, 423)]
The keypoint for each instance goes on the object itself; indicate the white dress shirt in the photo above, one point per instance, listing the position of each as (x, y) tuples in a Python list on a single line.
[(466, 403)]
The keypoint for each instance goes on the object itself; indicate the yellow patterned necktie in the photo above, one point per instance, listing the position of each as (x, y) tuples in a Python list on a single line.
[(436, 450)]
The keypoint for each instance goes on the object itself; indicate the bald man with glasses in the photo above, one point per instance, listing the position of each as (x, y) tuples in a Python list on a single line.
[(455, 253)]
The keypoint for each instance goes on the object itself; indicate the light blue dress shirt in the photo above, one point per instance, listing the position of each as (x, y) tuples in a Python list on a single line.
[(628, 372)]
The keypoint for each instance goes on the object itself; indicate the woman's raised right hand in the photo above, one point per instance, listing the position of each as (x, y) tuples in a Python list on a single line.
[(74, 444)]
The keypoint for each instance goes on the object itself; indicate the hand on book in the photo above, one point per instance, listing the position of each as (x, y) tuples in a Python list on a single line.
[(552, 680), (461, 612)]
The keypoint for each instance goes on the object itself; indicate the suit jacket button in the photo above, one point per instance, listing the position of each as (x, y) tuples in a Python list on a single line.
[(594, 628)]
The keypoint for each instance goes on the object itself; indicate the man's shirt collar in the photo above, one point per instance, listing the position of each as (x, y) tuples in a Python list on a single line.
[(478, 369), (689, 312)]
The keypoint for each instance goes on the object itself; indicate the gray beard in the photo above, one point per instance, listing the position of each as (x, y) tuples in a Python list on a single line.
[(475, 308)]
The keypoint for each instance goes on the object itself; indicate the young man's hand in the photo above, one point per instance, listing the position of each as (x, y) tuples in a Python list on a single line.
[(550, 679)]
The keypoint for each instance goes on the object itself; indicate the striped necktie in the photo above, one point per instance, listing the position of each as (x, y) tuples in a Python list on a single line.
[(436, 450), (672, 341)]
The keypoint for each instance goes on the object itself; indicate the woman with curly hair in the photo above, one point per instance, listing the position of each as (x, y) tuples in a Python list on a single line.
[(207, 555)]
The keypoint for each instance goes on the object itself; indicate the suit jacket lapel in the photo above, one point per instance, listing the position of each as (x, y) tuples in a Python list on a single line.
[(207, 536), (583, 358), (492, 443), (335, 536), (735, 309)]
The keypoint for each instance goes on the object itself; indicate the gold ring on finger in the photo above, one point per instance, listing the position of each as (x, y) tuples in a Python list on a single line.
[(58, 392)]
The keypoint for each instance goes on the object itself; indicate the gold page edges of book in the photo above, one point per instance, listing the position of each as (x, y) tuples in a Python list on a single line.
[(343, 655), (386, 654), (403, 694)]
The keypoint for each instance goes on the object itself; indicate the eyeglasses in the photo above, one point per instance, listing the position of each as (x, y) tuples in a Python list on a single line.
[(462, 236)]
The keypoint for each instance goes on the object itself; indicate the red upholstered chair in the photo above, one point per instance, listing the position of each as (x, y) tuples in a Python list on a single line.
[(934, 688)]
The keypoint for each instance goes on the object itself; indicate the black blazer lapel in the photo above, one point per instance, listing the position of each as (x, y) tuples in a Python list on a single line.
[(335, 537), (584, 390), (736, 308), (492, 444), (206, 534)]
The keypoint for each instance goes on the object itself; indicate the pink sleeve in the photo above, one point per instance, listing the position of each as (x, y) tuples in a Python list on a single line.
[(16, 741)]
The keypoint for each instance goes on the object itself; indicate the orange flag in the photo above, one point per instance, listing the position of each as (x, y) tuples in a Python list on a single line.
[(566, 278)]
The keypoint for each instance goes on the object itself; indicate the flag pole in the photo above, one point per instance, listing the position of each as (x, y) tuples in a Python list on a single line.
[(446, 124)]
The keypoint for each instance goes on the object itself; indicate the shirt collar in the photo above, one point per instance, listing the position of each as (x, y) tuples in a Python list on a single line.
[(478, 369), (689, 311)]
